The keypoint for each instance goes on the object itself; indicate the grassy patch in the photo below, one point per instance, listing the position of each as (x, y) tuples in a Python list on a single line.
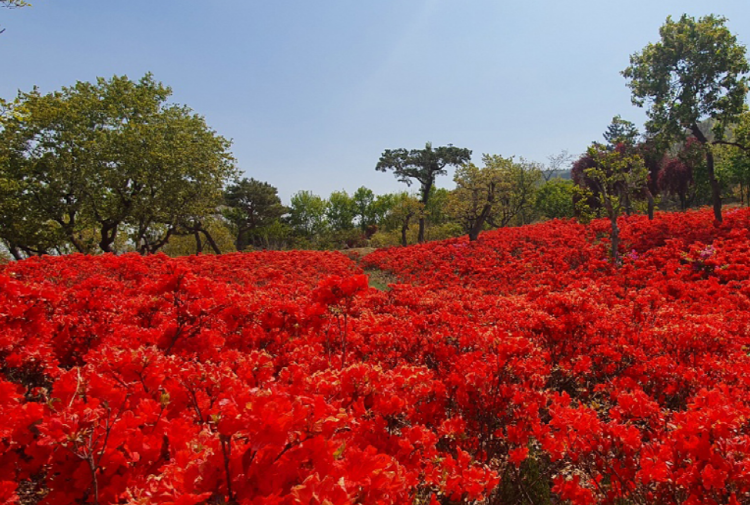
[(380, 279)]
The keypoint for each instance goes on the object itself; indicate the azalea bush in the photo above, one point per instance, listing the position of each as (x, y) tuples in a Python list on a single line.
[(519, 368)]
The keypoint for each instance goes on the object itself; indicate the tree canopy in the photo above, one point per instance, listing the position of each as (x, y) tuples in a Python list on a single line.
[(613, 178), (81, 165), (422, 165), (496, 193), (697, 71), (252, 207)]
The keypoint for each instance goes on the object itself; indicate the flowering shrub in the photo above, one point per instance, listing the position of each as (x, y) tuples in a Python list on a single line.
[(522, 367)]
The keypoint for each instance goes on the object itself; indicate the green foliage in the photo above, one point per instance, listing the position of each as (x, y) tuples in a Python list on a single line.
[(253, 210), (365, 210), (307, 214), (500, 193), (697, 70), (526, 483), (405, 210), (616, 180), (194, 243), (423, 165), (436, 211), (554, 199), (621, 131), (111, 157), (340, 211)]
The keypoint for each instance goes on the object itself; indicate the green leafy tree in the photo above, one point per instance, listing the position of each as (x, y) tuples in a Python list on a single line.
[(737, 161), (621, 131), (496, 194), (422, 165), (365, 209), (307, 214), (404, 210), (340, 211), (96, 159), (623, 134), (614, 178), (436, 208), (196, 242), (697, 71), (554, 199), (252, 207)]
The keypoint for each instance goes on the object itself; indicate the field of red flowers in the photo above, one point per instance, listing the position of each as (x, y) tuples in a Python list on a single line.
[(522, 368)]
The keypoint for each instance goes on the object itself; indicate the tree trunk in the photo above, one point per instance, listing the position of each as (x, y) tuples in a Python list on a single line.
[(108, 234), (403, 234), (650, 198), (211, 241), (242, 239), (15, 252), (476, 229), (69, 229), (426, 188), (473, 233), (715, 187), (198, 242), (154, 247)]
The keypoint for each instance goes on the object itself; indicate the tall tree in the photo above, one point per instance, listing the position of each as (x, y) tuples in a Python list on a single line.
[(307, 213), (340, 211), (621, 131), (422, 165), (498, 193), (404, 208), (613, 178), (554, 199), (96, 159), (623, 135), (365, 212), (252, 206), (695, 72)]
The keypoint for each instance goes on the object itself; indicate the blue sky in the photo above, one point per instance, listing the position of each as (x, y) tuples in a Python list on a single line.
[(311, 93)]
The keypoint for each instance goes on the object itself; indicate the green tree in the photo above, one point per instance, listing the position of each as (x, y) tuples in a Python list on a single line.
[(340, 211), (365, 209), (252, 207), (554, 199), (436, 207), (738, 160), (405, 209), (614, 178), (496, 194), (307, 214), (221, 239), (623, 134), (423, 165), (383, 204), (621, 131), (96, 159), (696, 71)]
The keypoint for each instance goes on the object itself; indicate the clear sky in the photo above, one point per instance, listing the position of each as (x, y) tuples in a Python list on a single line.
[(312, 92)]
